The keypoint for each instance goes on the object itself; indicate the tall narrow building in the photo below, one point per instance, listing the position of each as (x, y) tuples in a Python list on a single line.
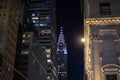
[(44, 19), (30, 60), (62, 57), (9, 22), (102, 34)]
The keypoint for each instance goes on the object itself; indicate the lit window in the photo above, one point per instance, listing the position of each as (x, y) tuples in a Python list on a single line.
[(34, 17), (25, 52), (28, 35), (23, 35), (48, 55), (48, 20), (49, 61), (47, 17), (43, 24), (47, 50), (33, 21), (46, 31), (33, 14), (23, 41), (48, 77), (36, 24)]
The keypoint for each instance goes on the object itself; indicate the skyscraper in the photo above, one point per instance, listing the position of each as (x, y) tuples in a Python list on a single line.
[(9, 22), (44, 19), (102, 34), (62, 57), (30, 61)]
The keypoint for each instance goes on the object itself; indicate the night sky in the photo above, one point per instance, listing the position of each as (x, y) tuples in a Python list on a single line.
[(69, 16)]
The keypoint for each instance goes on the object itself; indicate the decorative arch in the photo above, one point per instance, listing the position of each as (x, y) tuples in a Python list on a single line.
[(108, 65), (110, 71)]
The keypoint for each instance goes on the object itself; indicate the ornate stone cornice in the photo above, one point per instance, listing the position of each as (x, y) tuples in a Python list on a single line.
[(102, 21)]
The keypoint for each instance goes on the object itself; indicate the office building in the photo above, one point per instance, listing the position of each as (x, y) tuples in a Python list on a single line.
[(102, 35), (44, 19), (62, 57), (9, 22), (31, 62)]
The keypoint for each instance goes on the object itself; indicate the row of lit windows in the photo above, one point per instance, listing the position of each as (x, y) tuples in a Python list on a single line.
[(36, 24), (44, 31), (26, 36), (42, 21), (41, 17), (24, 52), (25, 41)]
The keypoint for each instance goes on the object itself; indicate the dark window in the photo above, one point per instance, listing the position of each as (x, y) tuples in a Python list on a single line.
[(0, 7), (0, 61), (105, 9), (111, 77), (1, 0)]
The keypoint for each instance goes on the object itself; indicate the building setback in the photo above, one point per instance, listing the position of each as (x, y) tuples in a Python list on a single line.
[(62, 57), (102, 34), (9, 22)]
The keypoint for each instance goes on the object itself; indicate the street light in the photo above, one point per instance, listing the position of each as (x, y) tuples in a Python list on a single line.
[(83, 40)]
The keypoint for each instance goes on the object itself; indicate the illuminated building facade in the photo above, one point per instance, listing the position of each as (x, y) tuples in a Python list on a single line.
[(62, 57), (102, 35), (9, 22), (44, 19)]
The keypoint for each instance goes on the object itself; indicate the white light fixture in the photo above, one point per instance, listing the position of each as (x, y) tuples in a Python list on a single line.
[(83, 40)]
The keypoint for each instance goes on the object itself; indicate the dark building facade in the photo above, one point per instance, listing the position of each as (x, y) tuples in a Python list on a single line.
[(30, 59), (62, 57), (28, 40), (9, 23), (44, 19)]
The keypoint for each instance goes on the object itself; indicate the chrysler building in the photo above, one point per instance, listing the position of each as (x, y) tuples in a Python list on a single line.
[(62, 57)]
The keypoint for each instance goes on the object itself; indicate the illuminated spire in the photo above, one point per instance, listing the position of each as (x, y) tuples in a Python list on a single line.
[(61, 37), (62, 56), (61, 41)]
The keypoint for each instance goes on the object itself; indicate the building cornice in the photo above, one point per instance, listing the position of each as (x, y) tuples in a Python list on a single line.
[(102, 21)]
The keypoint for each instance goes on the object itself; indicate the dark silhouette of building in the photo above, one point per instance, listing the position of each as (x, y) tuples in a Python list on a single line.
[(9, 22), (44, 19), (30, 61), (28, 40), (62, 57)]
